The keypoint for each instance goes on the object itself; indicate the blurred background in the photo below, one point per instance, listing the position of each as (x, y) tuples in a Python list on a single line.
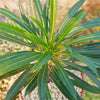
[(92, 7)]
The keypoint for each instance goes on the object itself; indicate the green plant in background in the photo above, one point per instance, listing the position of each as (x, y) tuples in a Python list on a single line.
[(52, 52)]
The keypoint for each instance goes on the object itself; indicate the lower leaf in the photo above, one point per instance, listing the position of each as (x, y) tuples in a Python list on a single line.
[(42, 82)]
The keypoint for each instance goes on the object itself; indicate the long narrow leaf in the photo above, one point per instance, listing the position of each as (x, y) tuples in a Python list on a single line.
[(71, 26), (84, 70), (4, 27), (89, 37), (71, 12), (32, 85), (61, 86), (39, 11), (85, 60), (14, 39), (53, 15), (16, 19), (43, 60), (14, 61), (22, 12), (36, 39), (66, 81), (31, 8), (46, 15), (48, 94), (42, 82), (41, 26), (69, 15), (84, 26), (15, 89), (12, 73), (61, 30), (82, 84)]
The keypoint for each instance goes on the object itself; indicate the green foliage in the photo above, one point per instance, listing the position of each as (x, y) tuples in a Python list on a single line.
[(51, 51)]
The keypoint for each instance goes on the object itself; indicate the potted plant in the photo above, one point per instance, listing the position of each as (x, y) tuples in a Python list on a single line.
[(52, 52)]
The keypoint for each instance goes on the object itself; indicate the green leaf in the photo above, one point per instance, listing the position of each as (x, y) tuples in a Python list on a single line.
[(71, 12), (17, 60), (16, 19), (48, 94), (84, 70), (46, 15), (18, 84), (41, 26), (95, 61), (7, 28), (70, 26), (68, 48), (42, 82), (85, 60), (57, 80), (53, 15), (32, 12), (66, 81), (32, 85), (89, 37), (37, 40), (67, 18), (31, 8), (66, 23), (23, 13), (12, 73), (39, 11), (82, 84), (89, 50), (84, 26), (14, 39), (43, 60)]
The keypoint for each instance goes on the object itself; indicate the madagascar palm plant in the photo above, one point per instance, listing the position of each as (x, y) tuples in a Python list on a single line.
[(51, 52)]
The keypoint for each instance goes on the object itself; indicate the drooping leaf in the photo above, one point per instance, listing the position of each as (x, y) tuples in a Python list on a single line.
[(18, 84), (57, 80), (43, 60), (12, 73), (82, 84), (84, 70), (85, 60), (66, 81), (17, 60), (32, 85), (42, 82)]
